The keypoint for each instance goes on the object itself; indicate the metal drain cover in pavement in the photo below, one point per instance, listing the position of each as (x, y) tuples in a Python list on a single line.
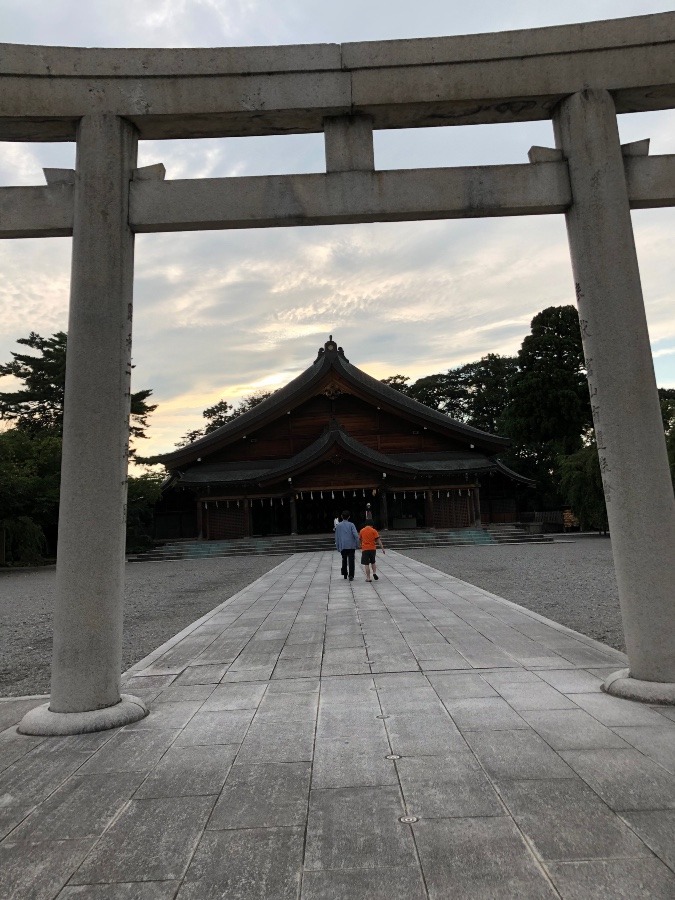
[(393, 756), (408, 820)]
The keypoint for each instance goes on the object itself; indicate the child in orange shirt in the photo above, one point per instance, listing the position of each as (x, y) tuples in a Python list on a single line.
[(369, 539)]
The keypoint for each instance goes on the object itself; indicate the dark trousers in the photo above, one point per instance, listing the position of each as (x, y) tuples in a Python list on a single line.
[(348, 561)]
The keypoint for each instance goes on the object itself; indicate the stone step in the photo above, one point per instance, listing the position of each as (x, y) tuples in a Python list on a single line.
[(286, 545)]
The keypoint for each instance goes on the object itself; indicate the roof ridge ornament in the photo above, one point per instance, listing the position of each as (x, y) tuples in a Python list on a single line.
[(330, 347)]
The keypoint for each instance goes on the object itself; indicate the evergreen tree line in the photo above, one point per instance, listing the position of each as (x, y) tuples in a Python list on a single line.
[(540, 400), (30, 454)]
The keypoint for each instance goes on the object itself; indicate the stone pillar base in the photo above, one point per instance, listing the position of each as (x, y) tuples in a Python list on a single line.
[(620, 684), (42, 721)]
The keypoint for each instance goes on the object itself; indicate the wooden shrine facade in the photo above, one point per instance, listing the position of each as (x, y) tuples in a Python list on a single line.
[(332, 439)]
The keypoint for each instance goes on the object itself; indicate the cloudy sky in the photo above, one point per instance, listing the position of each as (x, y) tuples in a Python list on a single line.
[(222, 314)]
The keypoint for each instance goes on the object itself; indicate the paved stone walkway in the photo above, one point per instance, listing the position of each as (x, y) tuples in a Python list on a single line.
[(294, 726)]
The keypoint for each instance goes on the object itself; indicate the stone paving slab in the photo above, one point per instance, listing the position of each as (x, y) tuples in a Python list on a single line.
[(295, 727)]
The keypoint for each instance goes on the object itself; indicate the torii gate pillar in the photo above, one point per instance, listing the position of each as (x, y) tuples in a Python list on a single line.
[(85, 688), (624, 398)]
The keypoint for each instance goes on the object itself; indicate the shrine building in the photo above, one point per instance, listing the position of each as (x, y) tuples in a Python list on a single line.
[(335, 438)]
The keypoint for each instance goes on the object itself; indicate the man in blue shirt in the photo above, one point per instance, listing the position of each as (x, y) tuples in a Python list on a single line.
[(347, 542)]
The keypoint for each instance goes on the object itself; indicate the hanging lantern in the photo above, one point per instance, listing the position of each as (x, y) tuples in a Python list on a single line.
[(448, 494), (282, 501), (216, 504), (460, 492), (404, 495), (438, 495), (415, 495), (363, 492), (206, 506), (394, 495), (332, 495), (301, 497), (355, 493), (270, 501), (237, 503), (343, 493), (322, 495), (311, 495)]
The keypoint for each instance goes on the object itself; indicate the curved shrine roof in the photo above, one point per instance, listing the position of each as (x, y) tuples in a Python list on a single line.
[(331, 362)]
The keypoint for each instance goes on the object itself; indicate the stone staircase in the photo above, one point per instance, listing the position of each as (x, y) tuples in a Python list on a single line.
[(284, 545)]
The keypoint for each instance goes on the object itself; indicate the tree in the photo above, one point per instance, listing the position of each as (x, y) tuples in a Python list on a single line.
[(30, 451), (667, 402), (488, 390), (37, 408), (548, 415), (581, 485), (445, 393), (397, 382), (549, 406)]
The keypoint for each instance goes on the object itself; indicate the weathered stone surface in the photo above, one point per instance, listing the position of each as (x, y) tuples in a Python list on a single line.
[(453, 785), (153, 840), (481, 858), (375, 884), (149, 890), (251, 864), (625, 779), (82, 807), (620, 879), (51, 864), (189, 771), (263, 796), (657, 830), (516, 754), (357, 828), (566, 820)]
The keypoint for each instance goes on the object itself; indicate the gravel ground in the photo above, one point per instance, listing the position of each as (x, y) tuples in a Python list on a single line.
[(162, 598), (571, 583)]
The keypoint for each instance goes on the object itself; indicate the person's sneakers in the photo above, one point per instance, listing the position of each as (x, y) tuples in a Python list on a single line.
[(376, 577), (351, 577), (344, 576)]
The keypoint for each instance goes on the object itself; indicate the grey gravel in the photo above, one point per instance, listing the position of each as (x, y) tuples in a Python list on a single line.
[(572, 583), (161, 598)]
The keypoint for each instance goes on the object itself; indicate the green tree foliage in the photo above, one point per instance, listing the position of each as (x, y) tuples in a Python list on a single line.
[(488, 390), (37, 408), (446, 393), (30, 477), (667, 401), (30, 451), (143, 492), (475, 393), (581, 485), (398, 382), (549, 406)]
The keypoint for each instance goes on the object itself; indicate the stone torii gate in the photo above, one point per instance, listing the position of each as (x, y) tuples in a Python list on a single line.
[(581, 76)]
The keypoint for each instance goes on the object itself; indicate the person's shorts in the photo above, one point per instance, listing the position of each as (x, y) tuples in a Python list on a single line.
[(367, 557)]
